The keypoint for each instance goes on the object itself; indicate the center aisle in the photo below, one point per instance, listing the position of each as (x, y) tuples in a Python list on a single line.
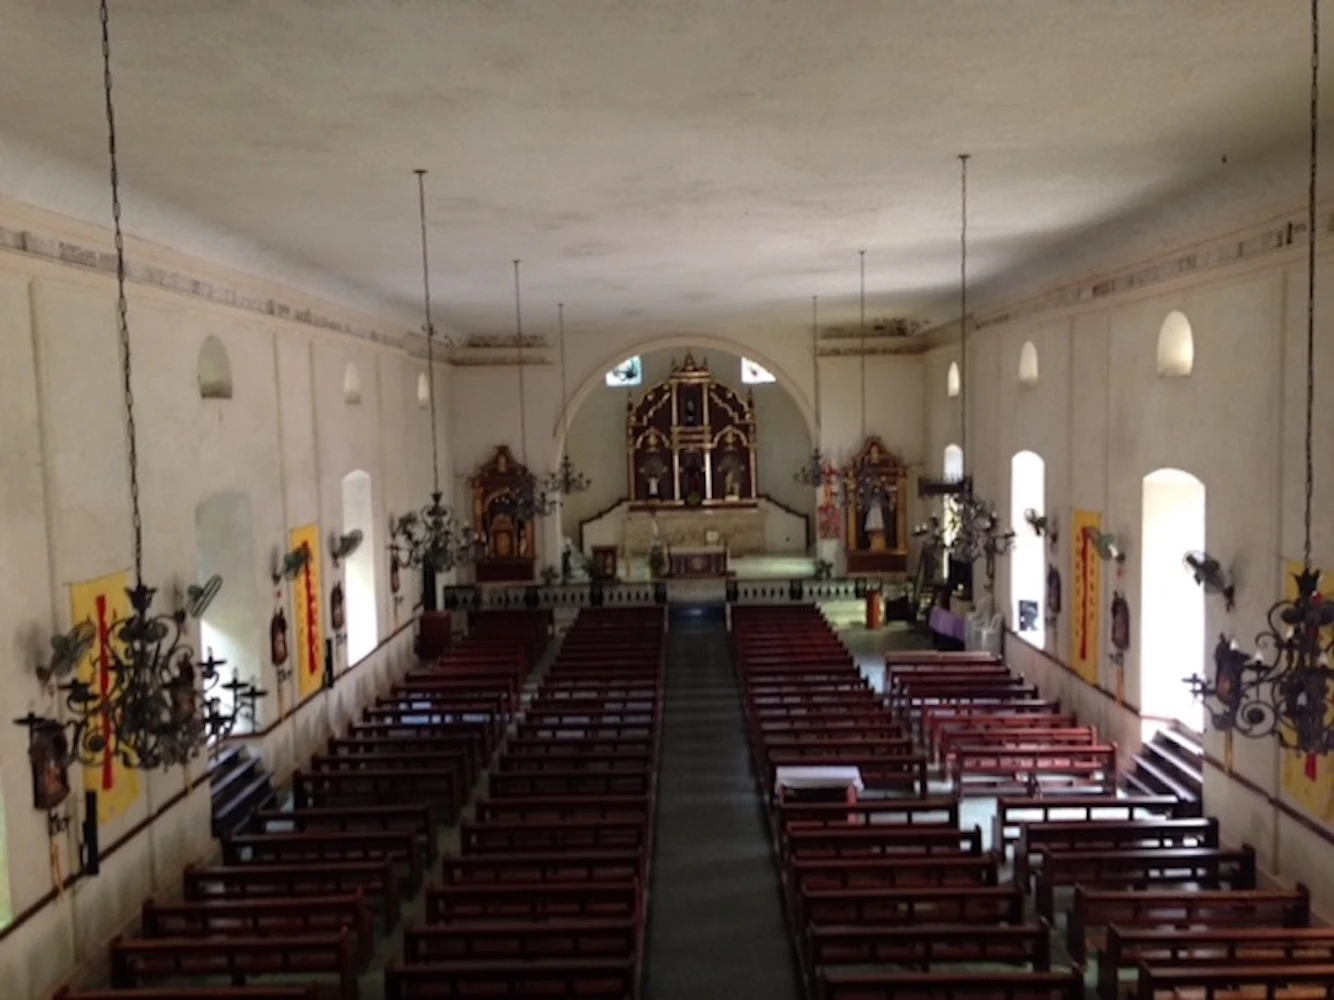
[(716, 926)]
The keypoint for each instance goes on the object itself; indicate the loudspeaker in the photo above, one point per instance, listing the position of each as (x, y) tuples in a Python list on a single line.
[(92, 858)]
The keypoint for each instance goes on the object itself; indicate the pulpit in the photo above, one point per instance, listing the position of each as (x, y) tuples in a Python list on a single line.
[(508, 549)]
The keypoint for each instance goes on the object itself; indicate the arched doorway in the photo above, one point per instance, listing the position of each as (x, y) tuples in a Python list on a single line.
[(232, 627), (1172, 640), (363, 613), (1028, 575)]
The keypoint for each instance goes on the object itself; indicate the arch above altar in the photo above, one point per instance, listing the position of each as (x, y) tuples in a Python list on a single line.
[(690, 443)]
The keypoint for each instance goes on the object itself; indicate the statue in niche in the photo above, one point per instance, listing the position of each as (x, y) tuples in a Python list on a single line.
[(692, 479), (690, 416), (653, 470), (875, 523), (730, 466)]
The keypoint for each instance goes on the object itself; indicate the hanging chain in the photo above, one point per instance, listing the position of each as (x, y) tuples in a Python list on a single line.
[(564, 394), (1310, 277), (963, 310), (815, 361), (122, 304), (862, 255), (430, 329), (523, 412)]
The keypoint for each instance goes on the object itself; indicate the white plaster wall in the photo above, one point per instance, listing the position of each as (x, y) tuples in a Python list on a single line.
[(285, 440)]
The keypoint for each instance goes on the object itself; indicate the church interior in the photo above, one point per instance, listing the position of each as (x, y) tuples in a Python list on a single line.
[(624, 500)]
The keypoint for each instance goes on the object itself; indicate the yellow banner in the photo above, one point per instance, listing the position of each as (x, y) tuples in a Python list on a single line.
[(1086, 596), (306, 607), (1307, 778), (102, 602)]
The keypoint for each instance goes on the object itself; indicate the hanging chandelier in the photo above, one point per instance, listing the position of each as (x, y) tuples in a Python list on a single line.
[(1283, 690), (976, 524), (567, 480), (871, 485), (154, 704), (528, 499), (817, 470), (433, 536)]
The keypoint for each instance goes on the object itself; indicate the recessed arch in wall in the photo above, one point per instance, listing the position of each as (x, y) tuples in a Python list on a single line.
[(1028, 571), (1028, 364), (214, 370), (359, 593), (952, 380), (1171, 633), (423, 390), (233, 625), (1176, 346), (351, 384)]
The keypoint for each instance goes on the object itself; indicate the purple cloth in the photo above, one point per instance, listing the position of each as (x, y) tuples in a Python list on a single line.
[(947, 623)]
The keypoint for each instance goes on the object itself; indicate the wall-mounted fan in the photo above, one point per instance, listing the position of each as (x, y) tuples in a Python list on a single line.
[(1210, 575), (342, 546), (1105, 544), (289, 565), (199, 596), (67, 651)]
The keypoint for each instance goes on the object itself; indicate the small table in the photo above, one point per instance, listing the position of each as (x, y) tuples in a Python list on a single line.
[(819, 784)]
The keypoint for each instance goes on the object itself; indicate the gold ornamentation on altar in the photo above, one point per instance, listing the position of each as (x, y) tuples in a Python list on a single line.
[(690, 442), (508, 548)]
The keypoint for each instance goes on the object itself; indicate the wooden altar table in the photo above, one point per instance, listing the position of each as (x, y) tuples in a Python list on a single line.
[(707, 560)]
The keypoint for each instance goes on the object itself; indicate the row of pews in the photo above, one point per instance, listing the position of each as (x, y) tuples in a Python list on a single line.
[(891, 895), (547, 894), (291, 909)]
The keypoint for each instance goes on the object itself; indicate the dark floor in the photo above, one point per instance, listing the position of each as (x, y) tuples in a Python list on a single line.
[(716, 925)]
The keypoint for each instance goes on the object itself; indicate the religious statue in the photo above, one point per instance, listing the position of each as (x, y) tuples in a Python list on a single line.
[(730, 466), (875, 524), (653, 470)]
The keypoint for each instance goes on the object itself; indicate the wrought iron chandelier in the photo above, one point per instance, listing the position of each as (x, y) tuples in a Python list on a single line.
[(433, 536), (154, 704), (868, 484), (528, 499), (567, 480), (1283, 690), (817, 470)]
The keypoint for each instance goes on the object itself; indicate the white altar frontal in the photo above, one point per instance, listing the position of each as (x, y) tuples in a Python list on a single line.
[(739, 529)]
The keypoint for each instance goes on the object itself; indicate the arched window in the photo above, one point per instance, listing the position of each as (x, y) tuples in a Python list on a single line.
[(1176, 346), (351, 384), (214, 370), (1028, 571), (952, 469), (1028, 364), (232, 625), (363, 613), (423, 391), (1172, 639), (629, 372), (754, 373), (952, 380)]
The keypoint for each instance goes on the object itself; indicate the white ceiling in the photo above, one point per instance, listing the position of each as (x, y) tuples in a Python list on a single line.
[(668, 164)]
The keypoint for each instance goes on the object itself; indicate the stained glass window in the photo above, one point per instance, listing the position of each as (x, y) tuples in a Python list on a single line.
[(629, 372), (753, 373)]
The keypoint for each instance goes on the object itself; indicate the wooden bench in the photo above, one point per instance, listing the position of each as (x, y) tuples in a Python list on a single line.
[(587, 979), (978, 905), (508, 784), (1005, 770), (555, 807), (937, 811), (529, 901), (1126, 948), (468, 745), (1094, 908), (926, 946), (534, 747), (881, 839), (368, 785), (551, 866), (579, 938), (418, 817), (640, 760), (399, 846), (905, 870), (950, 986), (1105, 835), (374, 878), (1269, 981), (574, 834), (262, 917), (907, 773), (311, 992), (135, 962), (1013, 813), (1202, 867)]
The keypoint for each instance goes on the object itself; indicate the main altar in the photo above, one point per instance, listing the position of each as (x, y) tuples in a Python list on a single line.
[(691, 473)]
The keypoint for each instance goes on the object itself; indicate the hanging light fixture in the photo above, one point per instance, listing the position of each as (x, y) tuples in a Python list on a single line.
[(154, 704), (869, 484), (817, 470), (976, 524), (567, 480), (528, 499), (433, 536), (1284, 689)]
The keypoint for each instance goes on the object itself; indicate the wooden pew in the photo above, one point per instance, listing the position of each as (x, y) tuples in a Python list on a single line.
[(1126, 948), (937, 811), (556, 807), (375, 878), (466, 745), (1105, 835), (927, 946), (1013, 813), (529, 901), (418, 817), (136, 962), (881, 839), (1093, 908), (573, 761), (262, 917), (369, 785), (1206, 868), (576, 834), (603, 865), (318, 846), (310, 992), (508, 784), (978, 905), (1007, 770), (579, 938), (587, 979), (951, 986), (1237, 980), (904, 870)]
